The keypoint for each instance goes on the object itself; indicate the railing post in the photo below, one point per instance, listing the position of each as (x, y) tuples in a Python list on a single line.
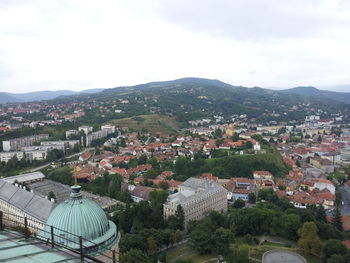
[(113, 256), (81, 249), (26, 231), (1, 221), (52, 238)]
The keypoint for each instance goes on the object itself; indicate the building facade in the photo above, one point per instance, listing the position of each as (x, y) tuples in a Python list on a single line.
[(20, 203), (28, 155), (18, 143), (198, 197)]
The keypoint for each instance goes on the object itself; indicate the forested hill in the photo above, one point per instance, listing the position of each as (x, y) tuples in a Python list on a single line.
[(343, 97), (192, 98)]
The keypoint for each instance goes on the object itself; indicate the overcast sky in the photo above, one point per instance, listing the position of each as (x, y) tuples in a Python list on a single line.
[(83, 44)]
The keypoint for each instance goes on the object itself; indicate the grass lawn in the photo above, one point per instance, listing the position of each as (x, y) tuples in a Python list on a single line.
[(183, 251), (153, 123)]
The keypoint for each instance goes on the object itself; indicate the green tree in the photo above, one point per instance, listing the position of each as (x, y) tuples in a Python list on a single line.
[(239, 255), (309, 239), (290, 225), (184, 260), (218, 133), (258, 138), (218, 142), (222, 238), (336, 259), (333, 246), (142, 159), (176, 236), (337, 222), (321, 213), (235, 137), (239, 203), (151, 245), (249, 145), (180, 217), (347, 170), (164, 185), (252, 198), (200, 240), (182, 165), (158, 198), (133, 256), (166, 235), (130, 241)]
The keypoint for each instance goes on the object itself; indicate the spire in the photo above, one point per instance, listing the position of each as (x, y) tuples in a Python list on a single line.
[(75, 180)]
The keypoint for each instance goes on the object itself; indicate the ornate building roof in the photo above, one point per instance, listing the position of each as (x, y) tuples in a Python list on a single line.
[(79, 216)]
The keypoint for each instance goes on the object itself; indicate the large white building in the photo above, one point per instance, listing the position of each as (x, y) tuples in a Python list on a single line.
[(105, 130), (197, 197), (18, 143), (18, 203), (85, 129), (29, 155)]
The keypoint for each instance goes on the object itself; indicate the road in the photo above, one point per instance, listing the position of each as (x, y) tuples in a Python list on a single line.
[(66, 157), (345, 207)]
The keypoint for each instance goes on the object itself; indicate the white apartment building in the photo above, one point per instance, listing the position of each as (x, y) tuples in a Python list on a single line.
[(29, 155), (65, 144), (108, 129), (6, 156), (18, 143), (85, 129)]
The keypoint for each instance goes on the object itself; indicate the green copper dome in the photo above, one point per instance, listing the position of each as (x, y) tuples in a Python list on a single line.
[(79, 216)]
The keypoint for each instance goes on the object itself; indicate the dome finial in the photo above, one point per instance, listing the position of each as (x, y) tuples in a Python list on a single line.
[(75, 191)]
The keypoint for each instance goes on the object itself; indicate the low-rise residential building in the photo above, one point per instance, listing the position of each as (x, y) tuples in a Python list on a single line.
[(239, 188), (320, 184), (323, 164), (264, 184), (138, 192), (197, 197), (262, 175)]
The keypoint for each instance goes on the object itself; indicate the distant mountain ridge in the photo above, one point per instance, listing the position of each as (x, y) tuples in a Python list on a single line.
[(312, 92), (343, 97), (6, 97)]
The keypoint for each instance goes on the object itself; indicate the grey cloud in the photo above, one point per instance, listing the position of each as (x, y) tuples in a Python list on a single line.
[(251, 19)]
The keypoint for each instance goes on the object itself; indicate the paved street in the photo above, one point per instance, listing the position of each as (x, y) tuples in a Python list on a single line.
[(345, 208), (66, 157)]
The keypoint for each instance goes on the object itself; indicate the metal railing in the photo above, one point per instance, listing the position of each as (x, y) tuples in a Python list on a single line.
[(38, 230)]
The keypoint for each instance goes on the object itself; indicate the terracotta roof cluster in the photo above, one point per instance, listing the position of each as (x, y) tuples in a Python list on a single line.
[(305, 198), (139, 169), (86, 155), (87, 172), (240, 185), (165, 175)]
